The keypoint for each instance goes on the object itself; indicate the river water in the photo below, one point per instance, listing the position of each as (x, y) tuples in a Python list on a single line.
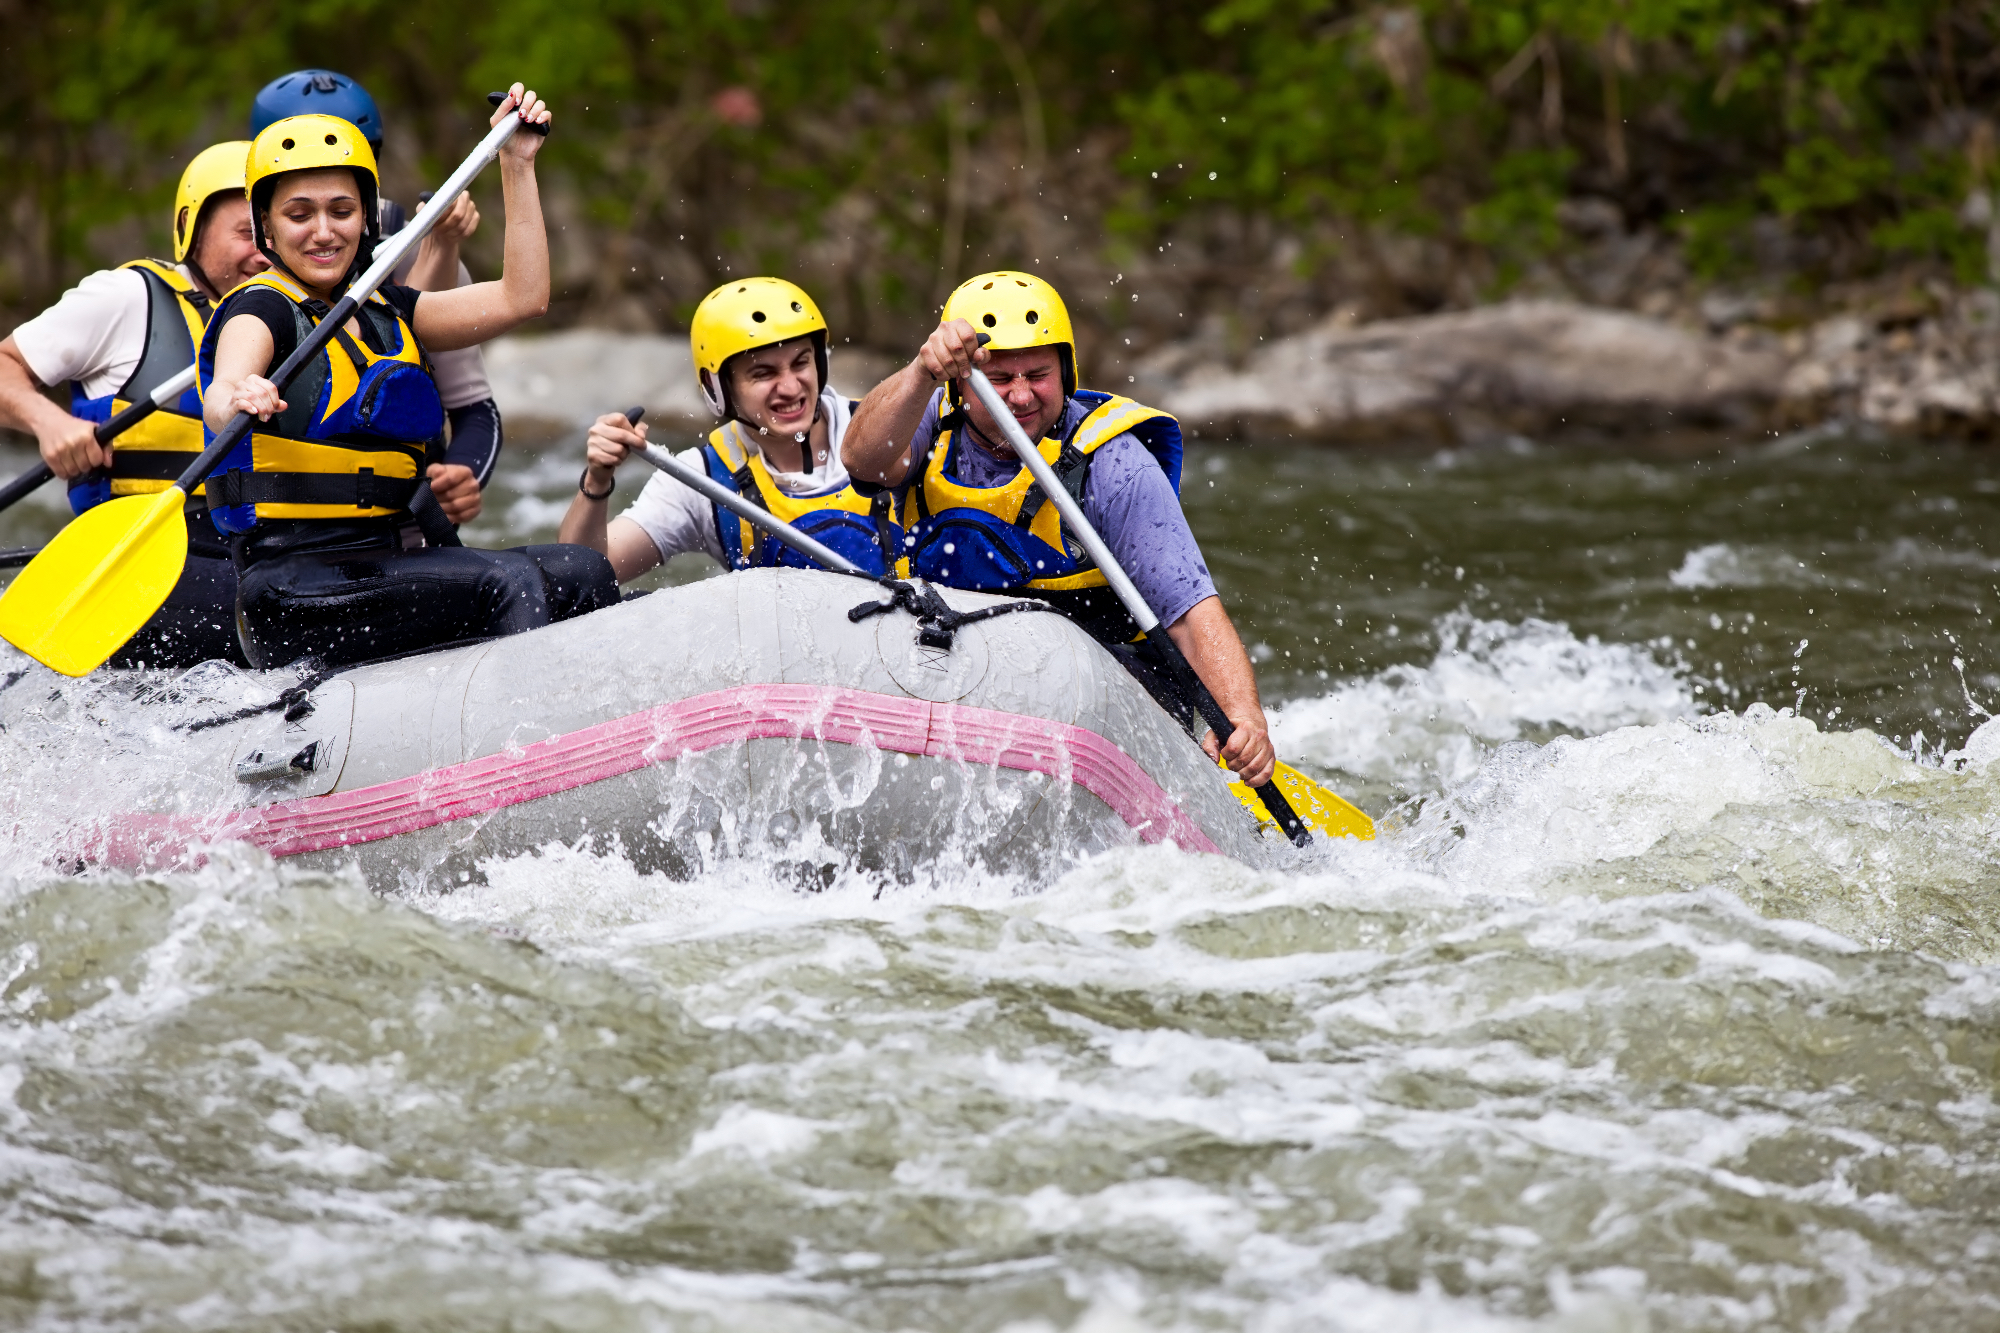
[(1666, 1000)]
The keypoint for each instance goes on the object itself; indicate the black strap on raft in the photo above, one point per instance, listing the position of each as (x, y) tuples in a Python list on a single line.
[(937, 623), (296, 700)]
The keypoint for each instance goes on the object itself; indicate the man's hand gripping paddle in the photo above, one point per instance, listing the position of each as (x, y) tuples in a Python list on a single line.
[(106, 432), (1135, 605), (103, 577), (704, 485)]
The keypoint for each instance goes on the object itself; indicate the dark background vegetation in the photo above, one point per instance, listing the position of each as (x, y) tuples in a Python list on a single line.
[(1230, 170)]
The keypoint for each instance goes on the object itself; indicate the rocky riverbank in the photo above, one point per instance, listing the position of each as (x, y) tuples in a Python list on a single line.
[(1922, 365)]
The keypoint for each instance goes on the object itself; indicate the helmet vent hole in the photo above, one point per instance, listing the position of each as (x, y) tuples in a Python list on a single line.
[(987, 288), (1032, 317), (288, 145), (798, 309), (757, 315), (991, 322), (331, 140)]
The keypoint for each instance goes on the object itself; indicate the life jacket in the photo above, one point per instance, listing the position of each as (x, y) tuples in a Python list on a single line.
[(856, 526), (1009, 538), (150, 455), (355, 434)]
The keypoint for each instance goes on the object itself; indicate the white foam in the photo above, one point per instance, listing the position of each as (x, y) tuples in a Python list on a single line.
[(1725, 565), (1430, 726), (1532, 810)]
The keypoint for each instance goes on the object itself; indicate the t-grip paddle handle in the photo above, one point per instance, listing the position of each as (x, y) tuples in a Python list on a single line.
[(536, 127), (1080, 527)]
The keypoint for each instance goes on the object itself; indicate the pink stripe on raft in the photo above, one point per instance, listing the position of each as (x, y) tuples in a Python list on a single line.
[(660, 735)]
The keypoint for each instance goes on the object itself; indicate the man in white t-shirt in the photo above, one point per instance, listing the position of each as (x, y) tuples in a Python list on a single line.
[(112, 339), (760, 354)]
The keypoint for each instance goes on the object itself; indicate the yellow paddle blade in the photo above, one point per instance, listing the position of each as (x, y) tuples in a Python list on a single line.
[(1317, 806), (100, 580)]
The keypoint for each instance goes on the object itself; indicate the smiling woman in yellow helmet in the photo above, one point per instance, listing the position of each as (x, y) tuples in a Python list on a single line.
[(976, 518), (760, 356), (317, 499), (115, 337)]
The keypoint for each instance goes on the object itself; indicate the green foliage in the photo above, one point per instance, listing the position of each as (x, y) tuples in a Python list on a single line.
[(1516, 222), (1466, 120), (1473, 119)]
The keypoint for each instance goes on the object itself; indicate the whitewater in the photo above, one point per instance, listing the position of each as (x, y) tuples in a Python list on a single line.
[(1666, 998)]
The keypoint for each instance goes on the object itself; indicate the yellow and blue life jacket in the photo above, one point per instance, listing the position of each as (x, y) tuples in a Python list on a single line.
[(862, 529), (1009, 538), (150, 455), (354, 436)]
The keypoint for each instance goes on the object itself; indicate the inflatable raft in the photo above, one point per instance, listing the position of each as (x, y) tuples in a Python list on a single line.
[(741, 715)]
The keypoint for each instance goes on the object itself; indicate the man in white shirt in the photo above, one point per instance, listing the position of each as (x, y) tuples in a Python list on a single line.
[(760, 353), (112, 339)]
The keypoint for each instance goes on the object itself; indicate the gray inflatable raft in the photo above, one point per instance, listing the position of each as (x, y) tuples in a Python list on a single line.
[(738, 715)]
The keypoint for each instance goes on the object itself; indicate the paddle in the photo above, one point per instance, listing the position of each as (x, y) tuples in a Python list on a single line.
[(703, 484), (1135, 605), (106, 431), (104, 575)]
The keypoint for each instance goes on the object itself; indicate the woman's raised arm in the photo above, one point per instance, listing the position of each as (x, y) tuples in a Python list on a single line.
[(465, 316)]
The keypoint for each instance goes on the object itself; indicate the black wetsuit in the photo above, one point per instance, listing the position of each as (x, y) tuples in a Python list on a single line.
[(197, 622), (341, 591), (348, 592)]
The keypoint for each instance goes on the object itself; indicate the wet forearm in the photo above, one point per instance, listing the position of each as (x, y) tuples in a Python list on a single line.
[(586, 522), (23, 406), (436, 267), (1210, 643), (526, 274), (876, 447)]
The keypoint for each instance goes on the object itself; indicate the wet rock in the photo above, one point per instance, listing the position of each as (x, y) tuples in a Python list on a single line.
[(556, 384), (1916, 365), (552, 386), (1528, 367)]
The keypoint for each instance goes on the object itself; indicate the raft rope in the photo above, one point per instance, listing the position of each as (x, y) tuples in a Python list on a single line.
[(937, 623), (296, 699)]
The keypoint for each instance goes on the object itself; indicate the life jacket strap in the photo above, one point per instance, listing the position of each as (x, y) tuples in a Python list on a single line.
[(363, 489), (151, 464), (354, 352), (1072, 469)]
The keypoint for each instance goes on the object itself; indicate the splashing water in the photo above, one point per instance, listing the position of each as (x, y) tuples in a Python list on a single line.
[(1643, 1013)]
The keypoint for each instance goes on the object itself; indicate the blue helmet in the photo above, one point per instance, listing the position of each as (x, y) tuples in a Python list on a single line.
[(308, 92)]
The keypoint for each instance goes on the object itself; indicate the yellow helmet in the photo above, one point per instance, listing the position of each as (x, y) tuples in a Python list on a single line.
[(1015, 311), (306, 143), (744, 315), (217, 169)]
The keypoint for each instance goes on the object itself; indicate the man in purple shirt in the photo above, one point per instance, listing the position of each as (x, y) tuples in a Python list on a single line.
[(976, 519)]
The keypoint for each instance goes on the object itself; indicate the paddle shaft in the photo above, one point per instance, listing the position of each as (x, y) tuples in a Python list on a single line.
[(386, 259), (703, 484), (106, 431), (1080, 527)]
